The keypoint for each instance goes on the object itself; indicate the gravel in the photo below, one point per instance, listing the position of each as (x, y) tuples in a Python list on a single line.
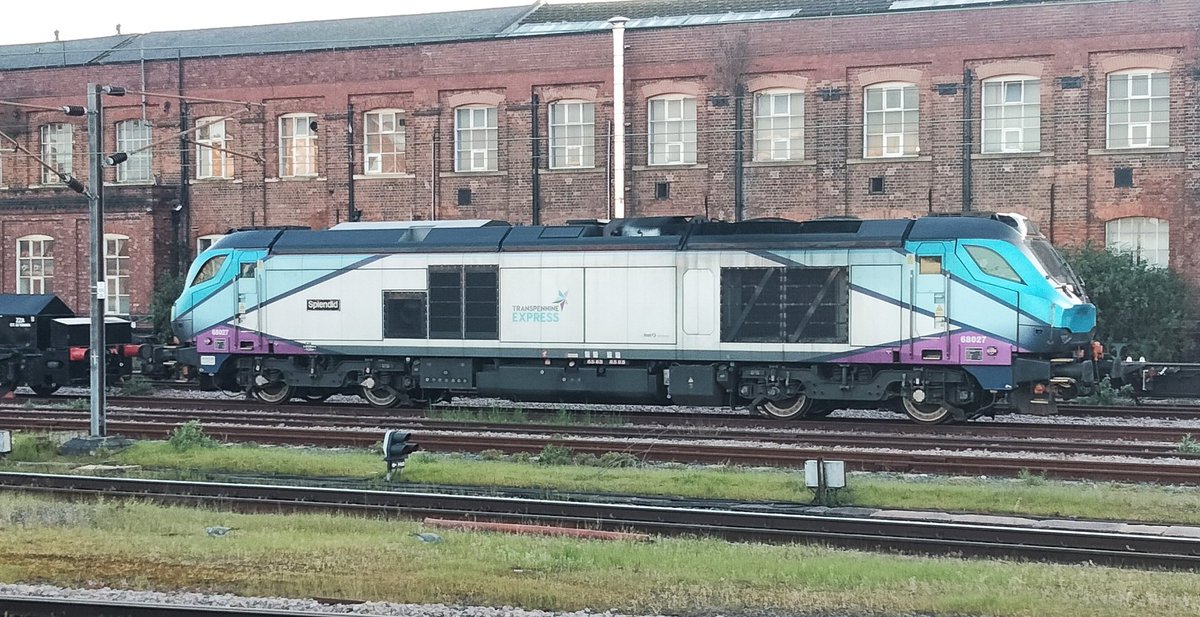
[(187, 598)]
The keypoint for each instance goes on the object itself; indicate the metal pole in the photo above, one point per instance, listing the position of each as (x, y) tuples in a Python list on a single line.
[(618, 166), (98, 288)]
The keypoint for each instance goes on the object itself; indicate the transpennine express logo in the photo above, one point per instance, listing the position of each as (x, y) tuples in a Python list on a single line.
[(540, 313)]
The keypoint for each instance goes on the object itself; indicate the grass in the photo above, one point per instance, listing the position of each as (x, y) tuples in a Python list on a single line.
[(1032, 495), (136, 545)]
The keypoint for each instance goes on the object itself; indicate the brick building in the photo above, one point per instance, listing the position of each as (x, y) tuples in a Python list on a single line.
[(1080, 114)]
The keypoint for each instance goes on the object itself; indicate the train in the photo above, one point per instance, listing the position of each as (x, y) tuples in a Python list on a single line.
[(45, 346), (942, 318)]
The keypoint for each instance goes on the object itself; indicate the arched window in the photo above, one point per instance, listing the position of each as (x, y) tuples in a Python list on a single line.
[(116, 273), (1012, 110), (1139, 108), (35, 264), (779, 125), (297, 145), (672, 130), (211, 142), (572, 134), (891, 120), (476, 138), (1146, 239), (383, 142), (132, 137)]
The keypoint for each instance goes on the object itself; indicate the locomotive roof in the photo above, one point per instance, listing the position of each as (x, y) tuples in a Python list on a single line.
[(647, 233), (33, 305)]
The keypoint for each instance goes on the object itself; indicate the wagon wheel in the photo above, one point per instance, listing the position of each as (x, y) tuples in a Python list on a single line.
[(44, 390), (273, 393), (314, 396), (382, 396), (928, 413), (786, 409)]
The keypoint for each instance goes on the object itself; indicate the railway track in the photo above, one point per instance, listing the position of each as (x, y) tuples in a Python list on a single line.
[(1147, 411), (936, 537), (931, 453), (27, 606), (1100, 441)]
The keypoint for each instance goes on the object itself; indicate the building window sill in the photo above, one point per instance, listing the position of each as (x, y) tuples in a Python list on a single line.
[(669, 167), (572, 170), (142, 183), (297, 179), (470, 174), (215, 181), (401, 176), (983, 156), (890, 159), (1124, 151), (790, 163)]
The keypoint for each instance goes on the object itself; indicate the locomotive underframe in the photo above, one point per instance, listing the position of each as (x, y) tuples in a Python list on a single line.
[(634, 382)]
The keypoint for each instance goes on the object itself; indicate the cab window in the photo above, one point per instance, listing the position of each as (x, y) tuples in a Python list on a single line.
[(209, 270), (993, 263)]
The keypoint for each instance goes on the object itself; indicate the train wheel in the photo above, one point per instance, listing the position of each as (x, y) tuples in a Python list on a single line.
[(381, 396), (44, 390), (787, 409), (314, 396), (928, 413), (273, 393)]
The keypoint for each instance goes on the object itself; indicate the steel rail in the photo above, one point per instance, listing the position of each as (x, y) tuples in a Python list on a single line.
[(1148, 411), (937, 537), (647, 448), (39, 606), (1152, 443), (244, 411)]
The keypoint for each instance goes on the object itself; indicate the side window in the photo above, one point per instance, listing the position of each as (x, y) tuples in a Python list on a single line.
[(209, 270), (404, 314), (993, 263), (929, 264)]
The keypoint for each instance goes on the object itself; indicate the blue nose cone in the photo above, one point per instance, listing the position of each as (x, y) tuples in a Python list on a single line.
[(1079, 318)]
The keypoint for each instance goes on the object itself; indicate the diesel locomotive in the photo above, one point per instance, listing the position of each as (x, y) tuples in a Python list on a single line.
[(940, 317)]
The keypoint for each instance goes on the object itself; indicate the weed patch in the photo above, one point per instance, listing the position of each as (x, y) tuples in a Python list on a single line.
[(136, 385), (190, 435)]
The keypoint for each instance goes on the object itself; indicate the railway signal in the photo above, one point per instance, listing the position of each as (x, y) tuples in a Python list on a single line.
[(396, 448)]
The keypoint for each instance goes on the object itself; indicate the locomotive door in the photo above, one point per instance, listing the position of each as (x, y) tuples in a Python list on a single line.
[(929, 307), (249, 314)]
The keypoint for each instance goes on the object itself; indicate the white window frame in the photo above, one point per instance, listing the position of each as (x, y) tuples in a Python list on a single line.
[(1145, 238), (212, 161), (997, 116), (133, 135), (476, 144), (203, 243), (1150, 124), (375, 155), (298, 149), (58, 149), (900, 142), (116, 274), (672, 138), (35, 283), (778, 136), (572, 134)]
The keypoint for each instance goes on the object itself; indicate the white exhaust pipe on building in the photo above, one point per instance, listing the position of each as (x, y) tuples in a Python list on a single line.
[(618, 162)]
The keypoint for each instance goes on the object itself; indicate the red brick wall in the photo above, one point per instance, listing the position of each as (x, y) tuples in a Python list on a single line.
[(1067, 187)]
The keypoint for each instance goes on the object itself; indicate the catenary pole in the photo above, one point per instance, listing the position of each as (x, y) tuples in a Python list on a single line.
[(97, 288)]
